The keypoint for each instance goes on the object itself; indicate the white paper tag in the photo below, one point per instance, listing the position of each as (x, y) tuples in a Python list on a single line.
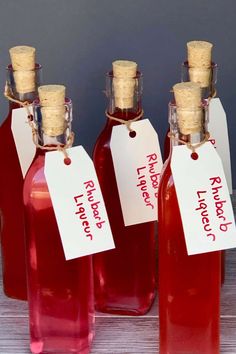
[(218, 129), (204, 200), (137, 164), (22, 135), (78, 203)]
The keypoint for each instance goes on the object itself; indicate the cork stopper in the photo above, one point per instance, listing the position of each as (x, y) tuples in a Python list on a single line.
[(23, 64), (187, 95), (201, 76), (124, 73), (188, 107), (199, 60), (52, 100)]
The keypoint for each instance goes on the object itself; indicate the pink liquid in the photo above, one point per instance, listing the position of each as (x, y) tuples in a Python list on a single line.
[(125, 276), (189, 286), (60, 292), (12, 214)]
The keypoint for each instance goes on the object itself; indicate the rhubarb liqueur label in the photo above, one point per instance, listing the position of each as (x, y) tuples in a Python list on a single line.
[(137, 163), (78, 203), (204, 199), (81, 212)]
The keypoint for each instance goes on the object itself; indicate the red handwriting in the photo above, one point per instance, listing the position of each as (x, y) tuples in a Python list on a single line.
[(145, 172), (143, 186), (155, 177), (90, 187), (83, 217), (202, 206), (219, 204), (94, 205)]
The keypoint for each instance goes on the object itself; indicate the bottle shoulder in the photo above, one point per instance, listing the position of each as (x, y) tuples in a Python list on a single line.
[(166, 170), (9, 155), (35, 191), (35, 172), (166, 178), (5, 126), (103, 140)]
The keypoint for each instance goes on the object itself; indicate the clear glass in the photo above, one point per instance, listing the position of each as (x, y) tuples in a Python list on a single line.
[(206, 91), (137, 97), (125, 276), (27, 96), (189, 286), (60, 292), (11, 204)]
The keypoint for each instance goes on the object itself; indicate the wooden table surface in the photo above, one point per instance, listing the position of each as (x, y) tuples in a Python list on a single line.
[(120, 334)]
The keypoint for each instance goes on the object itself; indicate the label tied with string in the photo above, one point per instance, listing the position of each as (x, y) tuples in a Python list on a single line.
[(77, 202), (137, 163), (204, 200), (22, 135), (218, 128)]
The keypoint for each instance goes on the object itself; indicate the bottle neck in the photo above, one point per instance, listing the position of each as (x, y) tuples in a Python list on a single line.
[(195, 133), (27, 92), (181, 139), (124, 97), (30, 97), (52, 141), (207, 77), (52, 134)]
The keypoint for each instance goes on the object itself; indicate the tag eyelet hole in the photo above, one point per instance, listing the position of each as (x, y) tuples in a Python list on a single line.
[(194, 155), (67, 161), (132, 134), (30, 117)]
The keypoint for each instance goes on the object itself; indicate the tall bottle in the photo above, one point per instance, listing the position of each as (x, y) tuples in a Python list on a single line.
[(125, 276), (23, 78), (189, 286), (198, 68), (60, 292)]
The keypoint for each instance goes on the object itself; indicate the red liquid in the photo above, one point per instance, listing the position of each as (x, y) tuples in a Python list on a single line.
[(12, 218), (125, 276), (223, 265), (60, 292), (166, 147), (189, 286)]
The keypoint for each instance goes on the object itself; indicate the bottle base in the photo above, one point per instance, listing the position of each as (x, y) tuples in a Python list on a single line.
[(21, 297), (37, 348), (125, 311), (121, 311), (59, 346)]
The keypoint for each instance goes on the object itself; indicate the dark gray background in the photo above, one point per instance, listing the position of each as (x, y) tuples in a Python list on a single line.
[(76, 41)]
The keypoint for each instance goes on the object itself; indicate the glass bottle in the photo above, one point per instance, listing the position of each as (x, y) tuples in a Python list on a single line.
[(209, 91), (189, 286), (11, 204), (60, 292), (125, 276)]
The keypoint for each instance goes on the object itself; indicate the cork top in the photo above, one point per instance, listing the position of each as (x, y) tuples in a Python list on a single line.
[(52, 95), (23, 64), (22, 57), (188, 107), (199, 54), (124, 69), (124, 73), (187, 95), (52, 100)]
